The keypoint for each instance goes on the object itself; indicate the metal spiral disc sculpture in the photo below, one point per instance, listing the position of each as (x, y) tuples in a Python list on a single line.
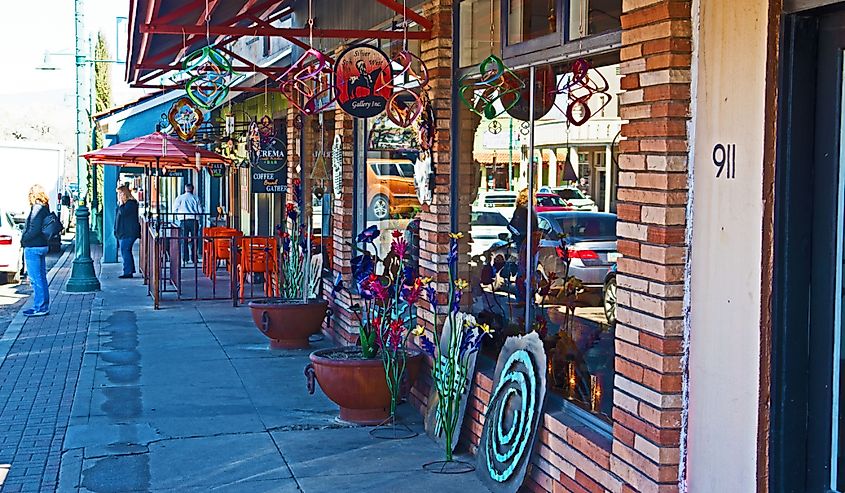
[(513, 413)]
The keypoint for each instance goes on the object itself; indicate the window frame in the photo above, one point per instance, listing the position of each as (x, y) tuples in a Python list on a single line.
[(545, 42)]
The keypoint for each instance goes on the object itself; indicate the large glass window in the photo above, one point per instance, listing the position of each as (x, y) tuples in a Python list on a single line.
[(531, 19), (589, 17), (553, 280), (479, 21)]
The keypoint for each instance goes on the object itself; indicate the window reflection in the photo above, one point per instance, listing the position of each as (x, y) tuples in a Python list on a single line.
[(551, 281), (589, 17), (530, 19), (476, 30)]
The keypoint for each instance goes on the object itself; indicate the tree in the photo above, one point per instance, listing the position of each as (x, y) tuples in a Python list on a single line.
[(103, 101)]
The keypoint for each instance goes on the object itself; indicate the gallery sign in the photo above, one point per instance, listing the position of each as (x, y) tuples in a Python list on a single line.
[(363, 81)]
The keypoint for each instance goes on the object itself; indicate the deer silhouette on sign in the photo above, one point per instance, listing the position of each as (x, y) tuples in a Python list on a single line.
[(363, 79)]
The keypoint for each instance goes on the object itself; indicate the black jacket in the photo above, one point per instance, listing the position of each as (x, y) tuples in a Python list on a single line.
[(32, 235), (126, 225)]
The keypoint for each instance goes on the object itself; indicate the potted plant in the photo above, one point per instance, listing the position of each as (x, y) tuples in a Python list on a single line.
[(288, 321), (365, 380)]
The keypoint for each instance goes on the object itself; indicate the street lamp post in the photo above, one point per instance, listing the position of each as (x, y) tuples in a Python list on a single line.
[(83, 278)]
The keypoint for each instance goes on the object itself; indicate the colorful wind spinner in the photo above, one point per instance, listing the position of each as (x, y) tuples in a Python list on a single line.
[(496, 83), (580, 87), (210, 76), (307, 83), (410, 78), (184, 118)]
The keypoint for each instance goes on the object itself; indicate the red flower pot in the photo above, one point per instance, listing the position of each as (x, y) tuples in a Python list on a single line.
[(288, 323), (355, 384)]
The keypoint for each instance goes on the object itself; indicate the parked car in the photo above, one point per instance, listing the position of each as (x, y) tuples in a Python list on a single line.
[(590, 240), (609, 295), (576, 199), (11, 252), (503, 201), (550, 202), (390, 188), (486, 227)]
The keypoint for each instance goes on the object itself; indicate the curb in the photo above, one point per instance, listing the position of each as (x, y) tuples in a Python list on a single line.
[(15, 326)]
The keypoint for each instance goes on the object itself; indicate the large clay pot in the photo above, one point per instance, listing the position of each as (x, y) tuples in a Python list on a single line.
[(357, 385), (288, 323)]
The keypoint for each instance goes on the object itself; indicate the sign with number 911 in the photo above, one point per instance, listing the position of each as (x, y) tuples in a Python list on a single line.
[(724, 158)]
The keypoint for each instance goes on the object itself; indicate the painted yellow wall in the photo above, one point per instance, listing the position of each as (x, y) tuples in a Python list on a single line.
[(728, 108)]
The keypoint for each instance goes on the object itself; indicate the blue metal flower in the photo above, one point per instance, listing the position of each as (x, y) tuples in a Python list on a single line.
[(369, 234), (410, 275), (427, 345), (431, 293), (337, 285), (362, 267)]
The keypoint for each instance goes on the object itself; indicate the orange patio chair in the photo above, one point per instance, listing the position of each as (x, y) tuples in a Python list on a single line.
[(259, 255)]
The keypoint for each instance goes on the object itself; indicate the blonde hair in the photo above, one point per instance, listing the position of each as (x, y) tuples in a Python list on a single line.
[(124, 194), (37, 194), (522, 198)]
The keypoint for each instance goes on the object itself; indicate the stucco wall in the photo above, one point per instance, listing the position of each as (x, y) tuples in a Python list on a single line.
[(728, 108)]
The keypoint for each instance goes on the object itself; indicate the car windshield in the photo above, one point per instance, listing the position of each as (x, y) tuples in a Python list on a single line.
[(570, 193), (588, 227), (550, 201), (488, 219)]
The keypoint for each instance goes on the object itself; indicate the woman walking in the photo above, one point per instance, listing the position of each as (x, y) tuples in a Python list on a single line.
[(127, 229), (35, 246)]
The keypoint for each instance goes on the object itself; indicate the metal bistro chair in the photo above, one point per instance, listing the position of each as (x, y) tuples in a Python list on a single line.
[(208, 249), (259, 255), (220, 250)]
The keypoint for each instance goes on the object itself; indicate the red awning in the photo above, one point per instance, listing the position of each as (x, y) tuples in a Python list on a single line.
[(157, 150)]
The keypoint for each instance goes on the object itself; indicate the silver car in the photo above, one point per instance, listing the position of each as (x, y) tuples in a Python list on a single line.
[(587, 238)]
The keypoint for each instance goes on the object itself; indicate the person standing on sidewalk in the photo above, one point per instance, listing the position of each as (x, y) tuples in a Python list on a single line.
[(188, 208), (127, 229), (35, 247)]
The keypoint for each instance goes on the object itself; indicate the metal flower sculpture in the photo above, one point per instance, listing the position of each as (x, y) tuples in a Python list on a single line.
[(210, 75), (452, 350), (493, 82), (293, 247)]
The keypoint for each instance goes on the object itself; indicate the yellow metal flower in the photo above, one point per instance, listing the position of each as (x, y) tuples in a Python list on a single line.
[(484, 328), (461, 284), (420, 330), (425, 280), (456, 236)]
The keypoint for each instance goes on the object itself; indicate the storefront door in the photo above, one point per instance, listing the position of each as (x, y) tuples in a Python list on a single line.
[(807, 443)]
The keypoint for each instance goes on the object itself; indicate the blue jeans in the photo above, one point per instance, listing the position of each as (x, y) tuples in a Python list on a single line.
[(36, 268), (189, 229), (126, 255)]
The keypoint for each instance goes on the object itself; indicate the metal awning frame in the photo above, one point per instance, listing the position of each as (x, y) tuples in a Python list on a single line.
[(254, 19)]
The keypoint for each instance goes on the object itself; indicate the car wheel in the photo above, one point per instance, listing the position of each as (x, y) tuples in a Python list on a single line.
[(609, 300), (13, 277), (380, 207)]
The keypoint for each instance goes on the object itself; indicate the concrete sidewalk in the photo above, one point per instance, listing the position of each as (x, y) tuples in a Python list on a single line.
[(189, 398)]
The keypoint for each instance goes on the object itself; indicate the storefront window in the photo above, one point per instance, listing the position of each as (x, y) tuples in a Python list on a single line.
[(390, 194), (479, 21), (531, 19), (589, 17), (553, 281)]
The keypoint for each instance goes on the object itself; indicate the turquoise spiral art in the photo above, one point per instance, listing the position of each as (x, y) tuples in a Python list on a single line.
[(513, 413)]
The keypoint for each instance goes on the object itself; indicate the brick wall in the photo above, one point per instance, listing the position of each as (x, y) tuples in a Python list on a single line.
[(652, 194)]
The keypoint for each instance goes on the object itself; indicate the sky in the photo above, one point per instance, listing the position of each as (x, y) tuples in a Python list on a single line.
[(31, 28)]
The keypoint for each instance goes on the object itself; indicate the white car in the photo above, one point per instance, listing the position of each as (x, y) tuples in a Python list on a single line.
[(503, 201), (487, 226), (576, 199), (11, 252)]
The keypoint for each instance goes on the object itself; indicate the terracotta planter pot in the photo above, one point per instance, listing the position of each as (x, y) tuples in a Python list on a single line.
[(288, 323), (357, 385)]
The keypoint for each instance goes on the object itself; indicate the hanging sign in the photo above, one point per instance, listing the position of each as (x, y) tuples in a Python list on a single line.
[(269, 169), (363, 81), (217, 170)]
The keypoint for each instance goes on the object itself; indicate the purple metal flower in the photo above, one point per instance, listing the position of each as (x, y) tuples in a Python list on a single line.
[(362, 267), (432, 296), (399, 247), (453, 252), (427, 345), (369, 234), (337, 286), (456, 302), (410, 275)]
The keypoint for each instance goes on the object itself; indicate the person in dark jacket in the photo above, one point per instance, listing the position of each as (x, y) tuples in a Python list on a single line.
[(127, 229), (35, 246)]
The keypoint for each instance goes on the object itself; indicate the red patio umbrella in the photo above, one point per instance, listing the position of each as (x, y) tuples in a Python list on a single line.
[(156, 150)]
